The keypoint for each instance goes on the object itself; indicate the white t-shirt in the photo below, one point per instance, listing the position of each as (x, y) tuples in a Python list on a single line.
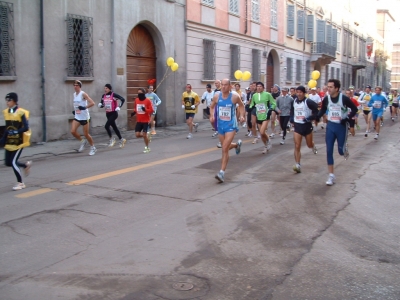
[(208, 97), (316, 98)]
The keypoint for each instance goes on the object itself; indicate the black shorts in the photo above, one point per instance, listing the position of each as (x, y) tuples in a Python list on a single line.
[(82, 122), (366, 112), (303, 129), (395, 105), (189, 115), (352, 122), (259, 122), (267, 119), (253, 111), (141, 126)]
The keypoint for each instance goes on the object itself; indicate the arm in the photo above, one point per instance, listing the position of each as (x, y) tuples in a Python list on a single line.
[(119, 97), (349, 104), (212, 107), (101, 103), (236, 100), (314, 108), (272, 102), (158, 100), (149, 107), (196, 100), (324, 107), (89, 100)]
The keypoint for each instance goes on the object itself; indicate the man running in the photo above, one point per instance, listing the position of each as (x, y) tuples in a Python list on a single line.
[(264, 104), (395, 104), (364, 100), (82, 103), (314, 96), (207, 99), (190, 101), (378, 103), (352, 121), (275, 92), (304, 111), (283, 106), (143, 108), (225, 105), (337, 105), (109, 100), (155, 101)]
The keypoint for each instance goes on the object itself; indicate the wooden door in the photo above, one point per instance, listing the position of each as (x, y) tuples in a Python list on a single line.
[(270, 73), (140, 66)]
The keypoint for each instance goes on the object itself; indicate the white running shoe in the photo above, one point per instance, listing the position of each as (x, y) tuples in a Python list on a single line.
[(331, 179), (297, 168), (219, 145), (282, 142), (376, 136), (196, 125), (19, 186), (189, 136), (244, 125), (146, 150), (315, 150), (220, 177), (255, 141), (112, 142), (281, 133), (83, 144), (122, 143), (28, 166), (269, 146), (272, 135), (215, 134), (238, 147), (92, 150), (250, 134)]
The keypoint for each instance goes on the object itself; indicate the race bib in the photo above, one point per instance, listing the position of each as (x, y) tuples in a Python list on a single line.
[(300, 115), (224, 113), (335, 114), (139, 109), (260, 108), (377, 104)]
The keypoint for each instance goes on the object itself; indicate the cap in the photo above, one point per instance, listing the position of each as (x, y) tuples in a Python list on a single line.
[(301, 88), (368, 87), (285, 89), (314, 89), (107, 85), (208, 85), (247, 89), (12, 96)]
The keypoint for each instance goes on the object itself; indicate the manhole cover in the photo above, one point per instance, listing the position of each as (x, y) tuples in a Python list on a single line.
[(182, 286)]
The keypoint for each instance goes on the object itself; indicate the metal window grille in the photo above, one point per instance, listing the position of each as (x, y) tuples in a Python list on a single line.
[(7, 46), (289, 69), (235, 60), (337, 73), (255, 10), (274, 13), (338, 41), (298, 70), (80, 46), (308, 70), (334, 38), (290, 20), (300, 24), (234, 6), (332, 72), (256, 58), (208, 2), (209, 59)]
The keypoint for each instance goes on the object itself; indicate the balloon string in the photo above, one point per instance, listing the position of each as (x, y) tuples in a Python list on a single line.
[(165, 76)]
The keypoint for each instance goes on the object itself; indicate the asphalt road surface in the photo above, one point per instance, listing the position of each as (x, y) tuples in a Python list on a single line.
[(127, 225)]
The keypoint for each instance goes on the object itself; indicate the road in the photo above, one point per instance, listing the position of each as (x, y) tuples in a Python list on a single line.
[(128, 225)]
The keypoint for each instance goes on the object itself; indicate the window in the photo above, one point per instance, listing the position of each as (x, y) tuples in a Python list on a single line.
[(326, 74), (349, 41), (7, 51), (298, 70), (209, 59), (274, 13), (332, 73), (337, 73), (208, 2), (255, 72), (80, 46), (310, 29), (308, 71), (343, 79), (334, 38), (235, 60), (234, 6), (329, 34), (290, 20), (321, 31), (345, 33), (338, 41), (289, 69), (255, 10), (300, 24)]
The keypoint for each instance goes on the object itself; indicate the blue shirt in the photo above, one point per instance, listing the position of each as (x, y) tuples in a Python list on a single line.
[(226, 112), (378, 103)]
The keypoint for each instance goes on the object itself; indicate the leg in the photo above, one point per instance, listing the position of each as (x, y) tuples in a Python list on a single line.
[(284, 122), (297, 138), (11, 160), (87, 135), (330, 138), (253, 125), (273, 119), (263, 132), (226, 141), (74, 128), (108, 124), (189, 122)]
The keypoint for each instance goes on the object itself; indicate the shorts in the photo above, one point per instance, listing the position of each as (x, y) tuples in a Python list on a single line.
[(303, 129), (82, 122), (395, 105), (141, 126), (189, 115), (253, 111), (352, 122), (267, 119), (366, 112), (259, 122), (224, 128), (376, 115)]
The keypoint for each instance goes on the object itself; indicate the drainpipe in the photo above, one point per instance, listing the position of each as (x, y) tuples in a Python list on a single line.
[(113, 70), (43, 67)]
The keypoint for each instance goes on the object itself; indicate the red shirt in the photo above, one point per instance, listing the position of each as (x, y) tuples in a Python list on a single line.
[(322, 95), (143, 116)]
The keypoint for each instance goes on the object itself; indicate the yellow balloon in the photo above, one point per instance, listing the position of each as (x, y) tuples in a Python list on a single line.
[(238, 74), (246, 75), (312, 84), (174, 67), (170, 61), (315, 74)]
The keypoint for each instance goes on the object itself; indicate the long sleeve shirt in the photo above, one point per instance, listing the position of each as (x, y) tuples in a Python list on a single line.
[(284, 104)]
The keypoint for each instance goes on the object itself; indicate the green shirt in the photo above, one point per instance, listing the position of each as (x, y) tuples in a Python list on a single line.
[(263, 102)]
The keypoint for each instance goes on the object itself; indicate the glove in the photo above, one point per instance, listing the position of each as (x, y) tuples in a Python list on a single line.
[(81, 107), (12, 132), (143, 108), (118, 109), (73, 112), (344, 121), (307, 120), (100, 105), (133, 113), (183, 106), (202, 101), (193, 106)]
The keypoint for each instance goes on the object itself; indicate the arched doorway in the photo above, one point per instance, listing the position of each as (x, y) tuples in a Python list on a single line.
[(140, 65), (270, 72)]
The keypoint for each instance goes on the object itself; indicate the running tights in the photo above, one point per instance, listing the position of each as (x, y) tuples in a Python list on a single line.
[(11, 160), (335, 131), (249, 125), (111, 117), (283, 121)]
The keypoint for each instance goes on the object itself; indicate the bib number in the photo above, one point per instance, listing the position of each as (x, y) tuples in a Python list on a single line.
[(261, 108), (300, 115), (335, 114), (224, 113), (377, 104), (139, 109)]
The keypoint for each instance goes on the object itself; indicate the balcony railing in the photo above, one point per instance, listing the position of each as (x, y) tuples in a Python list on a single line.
[(323, 49), (358, 62)]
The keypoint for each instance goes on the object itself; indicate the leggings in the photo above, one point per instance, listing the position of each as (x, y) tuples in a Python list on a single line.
[(11, 160), (335, 131), (283, 121), (111, 117), (249, 125)]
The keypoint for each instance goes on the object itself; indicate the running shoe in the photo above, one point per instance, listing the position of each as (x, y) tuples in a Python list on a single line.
[(220, 176), (239, 145), (281, 133), (196, 125), (282, 142), (19, 186), (297, 168), (249, 134), (255, 141), (83, 144), (376, 136), (189, 136), (381, 123), (315, 150), (366, 134), (215, 134), (219, 145), (153, 132), (92, 150), (272, 135), (28, 166), (346, 152), (269, 146), (244, 125), (392, 119), (146, 150), (111, 143), (122, 143), (331, 179), (149, 137), (358, 127), (322, 126)]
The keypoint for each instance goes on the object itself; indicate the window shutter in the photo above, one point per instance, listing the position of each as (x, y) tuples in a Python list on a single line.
[(290, 20), (310, 28), (300, 24), (329, 34), (320, 31), (334, 38)]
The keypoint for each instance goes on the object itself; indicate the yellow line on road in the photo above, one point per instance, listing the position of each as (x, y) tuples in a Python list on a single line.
[(34, 193)]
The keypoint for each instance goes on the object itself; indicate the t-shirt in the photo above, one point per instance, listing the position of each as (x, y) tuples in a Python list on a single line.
[(207, 96), (316, 98), (143, 116), (190, 99)]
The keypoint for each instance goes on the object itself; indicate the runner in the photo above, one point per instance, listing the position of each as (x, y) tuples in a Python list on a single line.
[(304, 112), (190, 102), (251, 127), (109, 100), (276, 92), (264, 104), (395, 104), (283, 106), (207, 99), (16, 137), (317, 99), (353, 121), (364, 100), (225, 105), (337, 106), (155, 101), (143, 107), (82, 103), (378, 103)]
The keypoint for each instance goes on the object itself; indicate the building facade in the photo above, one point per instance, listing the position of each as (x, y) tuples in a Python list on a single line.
[(395, 75), (46, 45)]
